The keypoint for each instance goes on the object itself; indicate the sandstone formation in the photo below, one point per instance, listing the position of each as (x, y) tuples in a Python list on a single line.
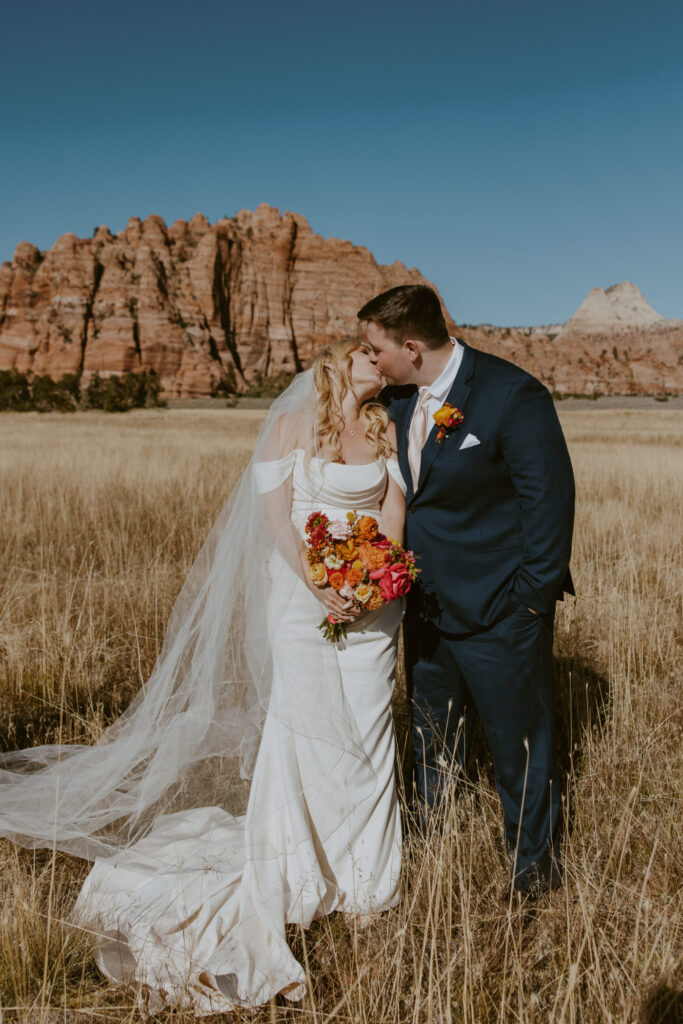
[(631, 362), (259, 293), (254, 293), (614, 344), (621, 307)]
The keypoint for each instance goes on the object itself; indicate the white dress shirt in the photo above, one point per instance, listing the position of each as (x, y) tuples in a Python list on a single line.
[(443, 383)]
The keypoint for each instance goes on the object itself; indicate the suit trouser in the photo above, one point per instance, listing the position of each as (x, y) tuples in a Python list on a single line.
[(507, 672)]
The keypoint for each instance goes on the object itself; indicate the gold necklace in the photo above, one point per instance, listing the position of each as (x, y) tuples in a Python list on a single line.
[(349, 431)]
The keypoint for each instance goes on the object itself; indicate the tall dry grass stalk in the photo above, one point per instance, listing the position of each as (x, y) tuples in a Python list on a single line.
[(100, 519)]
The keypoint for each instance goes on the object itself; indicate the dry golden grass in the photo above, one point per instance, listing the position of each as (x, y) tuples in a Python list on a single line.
[(100, 519)]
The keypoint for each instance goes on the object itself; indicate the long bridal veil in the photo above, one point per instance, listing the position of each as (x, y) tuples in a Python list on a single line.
[(191, 736)]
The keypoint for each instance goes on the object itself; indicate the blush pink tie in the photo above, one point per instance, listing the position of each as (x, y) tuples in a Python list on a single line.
[(420, 427)]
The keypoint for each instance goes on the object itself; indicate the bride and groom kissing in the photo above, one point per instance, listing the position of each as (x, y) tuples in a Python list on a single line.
[(459, 455)]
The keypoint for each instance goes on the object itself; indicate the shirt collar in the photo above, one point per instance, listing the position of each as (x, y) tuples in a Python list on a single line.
[(442, 385)]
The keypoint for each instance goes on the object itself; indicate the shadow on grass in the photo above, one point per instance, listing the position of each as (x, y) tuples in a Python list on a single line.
[(582, 700), (662, 1005)]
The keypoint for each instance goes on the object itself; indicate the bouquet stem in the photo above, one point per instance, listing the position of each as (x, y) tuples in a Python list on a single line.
[(331, 629)]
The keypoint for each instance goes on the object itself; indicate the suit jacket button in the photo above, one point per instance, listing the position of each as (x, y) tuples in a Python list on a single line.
[(411, 508)]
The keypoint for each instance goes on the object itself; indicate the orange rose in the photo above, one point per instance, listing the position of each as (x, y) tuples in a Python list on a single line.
[(353, 577), (371, 557), (367, 528), (336, 580), (376, 600)]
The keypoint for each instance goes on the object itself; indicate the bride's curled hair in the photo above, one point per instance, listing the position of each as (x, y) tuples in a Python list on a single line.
[(332, 377)]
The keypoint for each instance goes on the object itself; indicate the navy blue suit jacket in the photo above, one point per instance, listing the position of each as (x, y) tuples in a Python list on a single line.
[(491, 524)]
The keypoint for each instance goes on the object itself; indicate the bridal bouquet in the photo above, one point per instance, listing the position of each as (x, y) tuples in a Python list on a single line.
[(357, 561)]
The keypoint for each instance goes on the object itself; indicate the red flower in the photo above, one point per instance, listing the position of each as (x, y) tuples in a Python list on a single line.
[(395, 582), (315, 521)]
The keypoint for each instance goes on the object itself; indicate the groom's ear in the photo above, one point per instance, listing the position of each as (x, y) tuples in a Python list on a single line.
[(413, 349)]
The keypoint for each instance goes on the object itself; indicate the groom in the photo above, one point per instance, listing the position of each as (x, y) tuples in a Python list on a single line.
[(490, 511)]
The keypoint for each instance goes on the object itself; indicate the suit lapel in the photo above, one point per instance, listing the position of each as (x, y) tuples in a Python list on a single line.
[(457, 396)]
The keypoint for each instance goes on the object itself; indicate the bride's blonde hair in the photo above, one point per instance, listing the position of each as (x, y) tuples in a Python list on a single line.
[(332, 377)]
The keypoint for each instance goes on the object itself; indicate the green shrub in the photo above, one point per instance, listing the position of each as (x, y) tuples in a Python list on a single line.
[(14, 391), (48, 395), (121, 392), (21, 392), (268, 387)]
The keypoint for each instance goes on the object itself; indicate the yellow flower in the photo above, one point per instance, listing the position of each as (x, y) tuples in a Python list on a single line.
[(442, 416), (446, 417), (363, 592), (347, 549), (318, 574)]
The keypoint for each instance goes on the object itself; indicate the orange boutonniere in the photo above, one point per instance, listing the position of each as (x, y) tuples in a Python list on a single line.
[(447, 418)]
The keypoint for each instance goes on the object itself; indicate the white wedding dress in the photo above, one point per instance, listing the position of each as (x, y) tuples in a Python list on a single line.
[(193, 915)]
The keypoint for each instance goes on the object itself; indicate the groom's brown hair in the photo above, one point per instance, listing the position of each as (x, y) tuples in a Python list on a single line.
[(408, 311)]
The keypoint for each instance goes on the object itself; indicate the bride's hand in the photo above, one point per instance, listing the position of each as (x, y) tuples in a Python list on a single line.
[(344, 610)]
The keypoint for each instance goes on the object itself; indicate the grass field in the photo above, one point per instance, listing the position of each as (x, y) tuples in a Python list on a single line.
[(100, 519)]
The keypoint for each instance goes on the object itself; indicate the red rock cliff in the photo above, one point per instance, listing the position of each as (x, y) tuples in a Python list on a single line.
[(260, 293)]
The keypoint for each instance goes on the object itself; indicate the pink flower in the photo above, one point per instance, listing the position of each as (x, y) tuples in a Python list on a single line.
[(402, 580), (395, 582), (338, 529)]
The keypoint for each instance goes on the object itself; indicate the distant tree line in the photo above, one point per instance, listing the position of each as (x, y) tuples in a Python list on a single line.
[(23, 392), (259, 386), (26, 392)]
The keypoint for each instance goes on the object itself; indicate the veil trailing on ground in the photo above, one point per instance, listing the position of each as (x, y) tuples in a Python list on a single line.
[(191, 736)]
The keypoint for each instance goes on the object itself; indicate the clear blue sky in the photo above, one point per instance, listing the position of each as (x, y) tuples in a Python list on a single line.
[(517, 153)]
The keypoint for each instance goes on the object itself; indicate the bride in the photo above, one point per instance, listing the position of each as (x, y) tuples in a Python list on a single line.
[(250, 783)]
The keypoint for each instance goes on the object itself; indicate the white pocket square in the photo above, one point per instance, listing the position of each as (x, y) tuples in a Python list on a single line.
[(469, 442)]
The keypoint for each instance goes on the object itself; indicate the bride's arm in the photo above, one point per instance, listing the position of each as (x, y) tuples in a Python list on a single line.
[(288, 541), (394, 501), (394, 511), (274, 483)]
